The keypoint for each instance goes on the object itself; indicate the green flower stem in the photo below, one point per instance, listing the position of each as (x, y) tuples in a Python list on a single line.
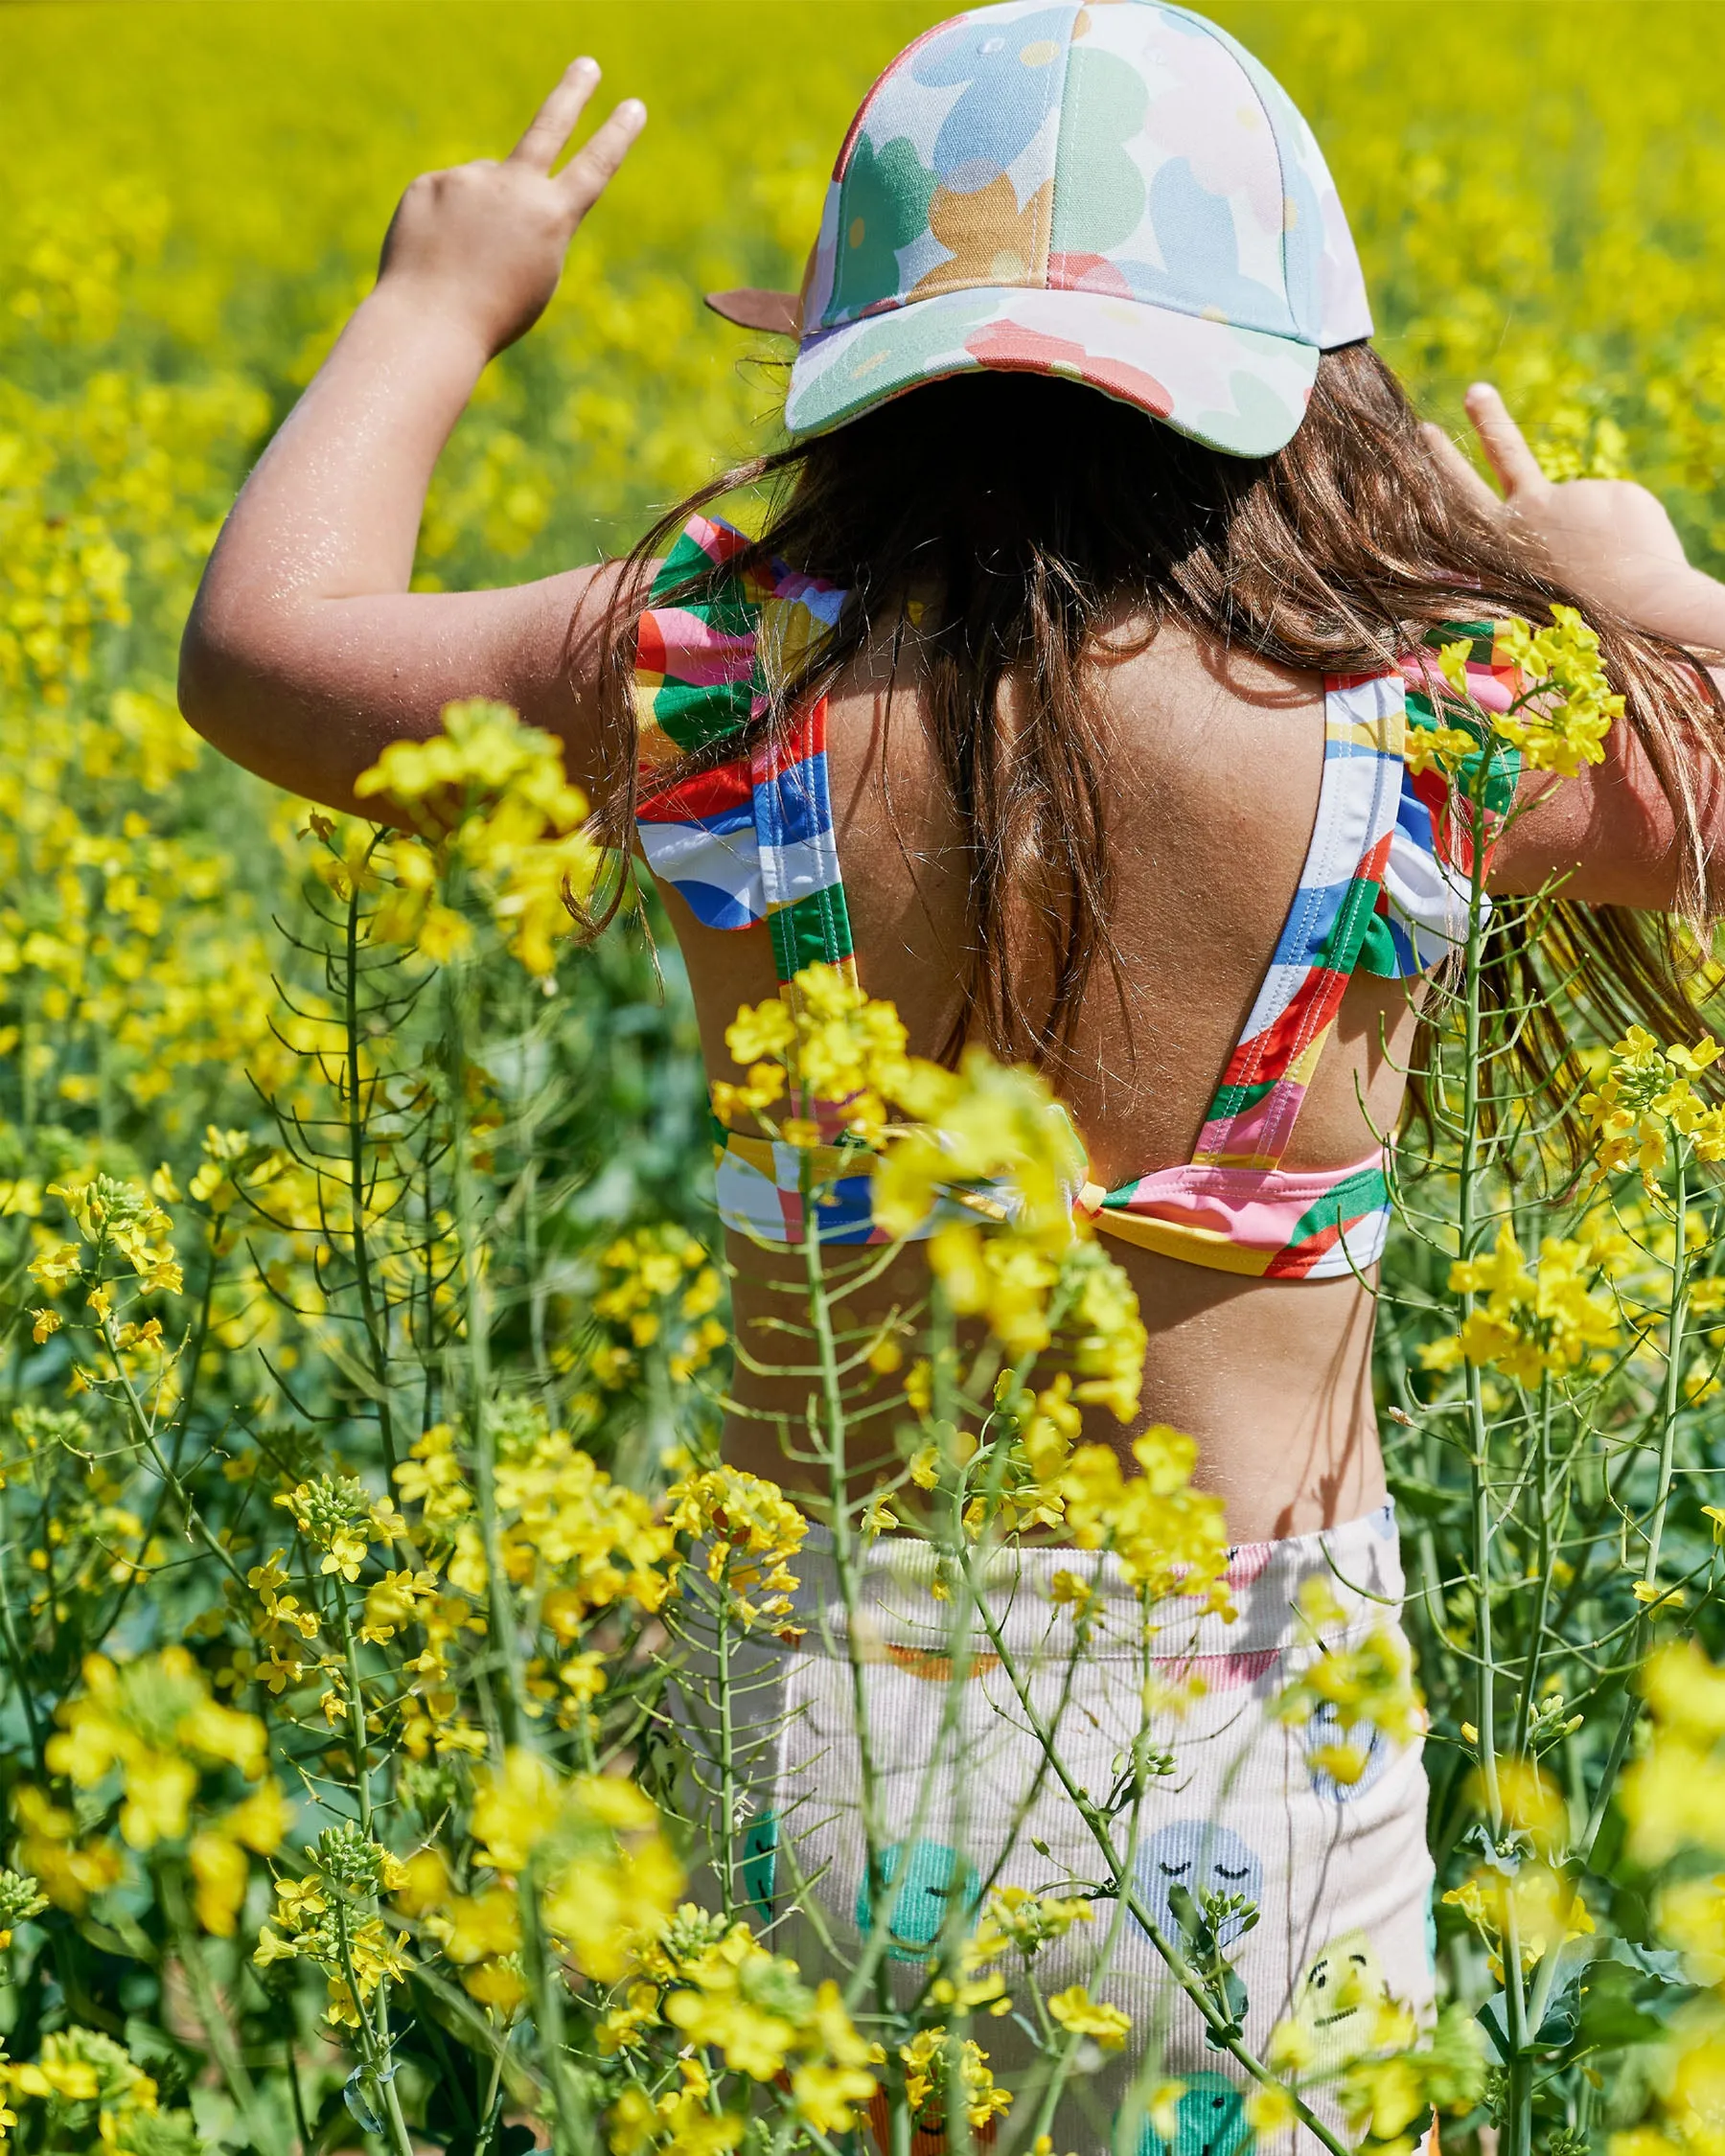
[(385, 2083), (500, 1604), (473, 2026), (358, 1744), (144, 1427), (182, 1418), (1470, 1232), (193, 1349), (491, 2110), (374, 2054), (352, 1088), (1670, 1402), (1523, 2027), (212, 2017), (14, 1648), (1222, 2032), (1027, 1804), (571, 2127), (1542, 1592), (959, 1637), (870, 1964), (291, 2071), (1104, 1953), (833, 1428), (727, 1762), (399, 2134), (1471, 1226), (62, 1940), (424, 1293), (1081, 1631), (1546, 1973), (884, 1894)]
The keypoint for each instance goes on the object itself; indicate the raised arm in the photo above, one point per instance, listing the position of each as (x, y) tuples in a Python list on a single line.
[(1610, 830), (306, 652)]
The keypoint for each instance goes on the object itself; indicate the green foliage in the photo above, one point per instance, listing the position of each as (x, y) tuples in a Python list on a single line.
[(435, 1235)]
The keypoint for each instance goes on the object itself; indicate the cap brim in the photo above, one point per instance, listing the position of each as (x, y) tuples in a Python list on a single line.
[(1241, 391)]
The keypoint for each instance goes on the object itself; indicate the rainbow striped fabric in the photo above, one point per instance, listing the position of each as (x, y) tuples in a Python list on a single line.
[(749, 841)]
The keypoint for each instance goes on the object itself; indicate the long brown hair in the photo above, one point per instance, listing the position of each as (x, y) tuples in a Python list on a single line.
[(1029, 506)]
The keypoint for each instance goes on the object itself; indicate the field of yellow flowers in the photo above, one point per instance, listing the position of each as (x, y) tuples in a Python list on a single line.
[(354, 1307)]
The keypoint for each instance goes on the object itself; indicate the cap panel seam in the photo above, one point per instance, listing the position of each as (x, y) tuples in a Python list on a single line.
[(1219, 36), (1060, 128)]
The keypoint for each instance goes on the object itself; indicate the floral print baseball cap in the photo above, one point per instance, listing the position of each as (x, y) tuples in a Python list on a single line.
[(1116, 193)]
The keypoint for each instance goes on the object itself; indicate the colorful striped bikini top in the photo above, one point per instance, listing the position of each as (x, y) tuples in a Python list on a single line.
[(750, 840)]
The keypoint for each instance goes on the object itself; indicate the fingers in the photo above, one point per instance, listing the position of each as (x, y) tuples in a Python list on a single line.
[(590, 172), (554, 123), (1505, 446), (1456, 469)]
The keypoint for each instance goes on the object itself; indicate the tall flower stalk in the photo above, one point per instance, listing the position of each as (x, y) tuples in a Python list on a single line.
[(1555, 1393)]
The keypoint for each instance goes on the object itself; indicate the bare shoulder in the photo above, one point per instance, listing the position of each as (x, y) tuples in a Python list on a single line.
[(1174, 670), (1168, 707), (1610, 834), (1227, 734)]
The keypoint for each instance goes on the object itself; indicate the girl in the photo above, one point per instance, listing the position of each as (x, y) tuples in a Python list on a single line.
[(1076, 637)]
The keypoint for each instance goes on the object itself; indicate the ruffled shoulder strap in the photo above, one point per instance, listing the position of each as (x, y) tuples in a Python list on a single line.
[(750, 838), (704, 666)]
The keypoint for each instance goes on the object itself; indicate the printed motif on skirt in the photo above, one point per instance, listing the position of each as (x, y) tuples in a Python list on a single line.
[(1243, 1815)]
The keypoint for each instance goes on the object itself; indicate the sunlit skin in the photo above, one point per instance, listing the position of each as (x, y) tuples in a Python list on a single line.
[(307, 654)]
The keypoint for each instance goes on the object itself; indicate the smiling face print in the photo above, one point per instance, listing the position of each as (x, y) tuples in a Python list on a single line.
[(1339, 1990), (1324, 1729), (1211, 2122), (935, 1878), (1202, 1858)]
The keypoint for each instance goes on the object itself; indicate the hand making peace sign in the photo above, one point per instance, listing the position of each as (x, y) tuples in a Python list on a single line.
[(485, 242), (1608, 539)]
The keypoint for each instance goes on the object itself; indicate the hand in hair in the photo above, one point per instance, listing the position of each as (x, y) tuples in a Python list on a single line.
[(307, 652), (1608, 541)]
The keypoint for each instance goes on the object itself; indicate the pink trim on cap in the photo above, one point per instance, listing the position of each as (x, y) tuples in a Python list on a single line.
[(1008, 346), (892, 66)]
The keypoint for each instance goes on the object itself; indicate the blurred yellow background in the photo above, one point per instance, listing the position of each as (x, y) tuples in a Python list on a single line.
[(1538, 191)]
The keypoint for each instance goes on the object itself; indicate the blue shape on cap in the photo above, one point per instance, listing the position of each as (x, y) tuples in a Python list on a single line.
[(1004, 101)]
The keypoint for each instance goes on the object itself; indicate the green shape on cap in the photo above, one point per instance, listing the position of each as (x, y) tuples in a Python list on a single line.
[(1098, 191), (894, 348), (883, 206), (1259, 416)]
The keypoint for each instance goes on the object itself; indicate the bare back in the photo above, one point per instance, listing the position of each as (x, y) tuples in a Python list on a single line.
[(1214, 765)]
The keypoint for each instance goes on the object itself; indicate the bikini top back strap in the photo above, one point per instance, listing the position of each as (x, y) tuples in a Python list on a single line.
[(1337, 919)]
